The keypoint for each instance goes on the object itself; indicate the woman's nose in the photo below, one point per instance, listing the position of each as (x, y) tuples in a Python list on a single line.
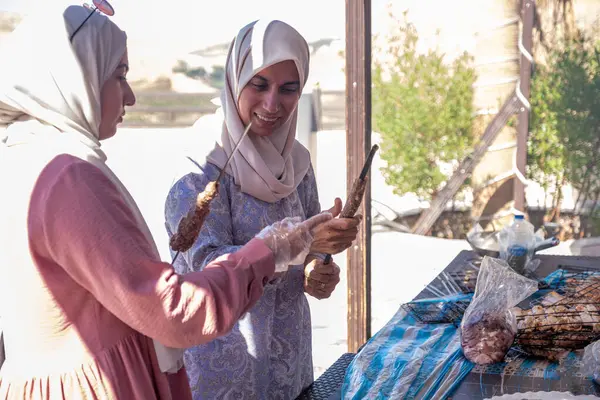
[(129, 96), (271, 102)]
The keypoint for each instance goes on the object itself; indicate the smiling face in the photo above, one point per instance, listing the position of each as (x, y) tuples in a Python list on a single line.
[(270, 97), (114, 96)]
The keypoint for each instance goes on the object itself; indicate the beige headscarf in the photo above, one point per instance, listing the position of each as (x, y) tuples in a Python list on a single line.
[(268, 168), (50, 96)]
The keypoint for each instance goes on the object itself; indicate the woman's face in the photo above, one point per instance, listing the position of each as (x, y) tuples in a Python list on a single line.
[(114, 96), (270, 97)]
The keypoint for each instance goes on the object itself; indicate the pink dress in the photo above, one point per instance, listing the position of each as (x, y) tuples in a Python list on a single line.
[(81, 295)]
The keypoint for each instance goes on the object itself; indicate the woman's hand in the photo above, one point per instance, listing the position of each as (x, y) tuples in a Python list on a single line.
[(336, 235), (319, 279)]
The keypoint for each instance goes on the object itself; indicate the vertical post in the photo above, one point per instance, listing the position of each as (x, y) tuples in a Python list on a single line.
[(317, 108), (525, 45), (358, 143)]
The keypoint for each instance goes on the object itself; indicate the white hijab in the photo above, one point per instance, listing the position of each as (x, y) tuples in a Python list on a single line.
[(268, 168), (50, 95)]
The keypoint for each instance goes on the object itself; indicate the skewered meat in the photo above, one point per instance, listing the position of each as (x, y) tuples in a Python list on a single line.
[(190, 225), (560, 318), (569, 324), (355, 198), (550, 353), (356, 193)]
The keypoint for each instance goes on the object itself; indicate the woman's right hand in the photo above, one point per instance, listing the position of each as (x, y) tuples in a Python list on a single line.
[(290, 239), (336, 235)]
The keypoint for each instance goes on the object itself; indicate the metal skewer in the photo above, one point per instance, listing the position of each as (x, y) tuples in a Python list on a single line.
[(222, 172)]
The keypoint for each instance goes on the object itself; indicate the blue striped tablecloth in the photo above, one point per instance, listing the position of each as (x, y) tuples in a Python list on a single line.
[(407, 360)]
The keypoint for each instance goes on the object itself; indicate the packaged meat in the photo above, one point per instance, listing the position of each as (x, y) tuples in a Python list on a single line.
[(487, 337), (591, 361), (489, 326)]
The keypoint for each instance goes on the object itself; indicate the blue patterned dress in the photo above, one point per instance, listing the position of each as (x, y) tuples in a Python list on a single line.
[(268, 354)]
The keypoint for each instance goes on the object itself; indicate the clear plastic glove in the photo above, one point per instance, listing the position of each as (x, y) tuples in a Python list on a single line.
[(290, 239)]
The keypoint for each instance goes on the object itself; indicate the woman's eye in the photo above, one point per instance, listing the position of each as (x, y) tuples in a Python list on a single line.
[(122, 78), (289, 89), (260, 86)]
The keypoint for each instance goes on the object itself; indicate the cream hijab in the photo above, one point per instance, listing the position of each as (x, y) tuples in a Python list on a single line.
[(268, 168), (50, 97)]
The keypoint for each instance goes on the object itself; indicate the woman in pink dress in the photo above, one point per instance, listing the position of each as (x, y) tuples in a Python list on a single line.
[(88, 309)]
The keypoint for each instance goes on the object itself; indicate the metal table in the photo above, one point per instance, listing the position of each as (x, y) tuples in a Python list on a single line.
[(329, 385), (524, 375), (481, 382)]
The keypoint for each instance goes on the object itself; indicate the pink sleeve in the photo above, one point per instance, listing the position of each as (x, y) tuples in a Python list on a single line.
[(85, 227)]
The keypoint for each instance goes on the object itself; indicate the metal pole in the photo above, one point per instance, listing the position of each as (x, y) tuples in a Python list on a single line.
[(358, 144), (525, 45)]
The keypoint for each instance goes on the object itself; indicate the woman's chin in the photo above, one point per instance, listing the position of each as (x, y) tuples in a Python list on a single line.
[(261, 133), (261, 128), (107, 132)]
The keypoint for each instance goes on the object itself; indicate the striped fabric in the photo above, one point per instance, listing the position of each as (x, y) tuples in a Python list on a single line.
[(407, 360)]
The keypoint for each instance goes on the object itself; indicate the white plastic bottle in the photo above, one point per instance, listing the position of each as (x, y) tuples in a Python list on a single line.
[(522, 237)]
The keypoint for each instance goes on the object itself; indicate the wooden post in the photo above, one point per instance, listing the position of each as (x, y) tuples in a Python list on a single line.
[(358, 144), (317, 108), (527, 15)]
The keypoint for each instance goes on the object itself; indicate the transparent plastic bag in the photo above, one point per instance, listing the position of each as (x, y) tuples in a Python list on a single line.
[(591, 361), (488, 328)]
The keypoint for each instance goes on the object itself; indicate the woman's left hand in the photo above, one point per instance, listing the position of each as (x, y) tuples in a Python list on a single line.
[(319, 279)]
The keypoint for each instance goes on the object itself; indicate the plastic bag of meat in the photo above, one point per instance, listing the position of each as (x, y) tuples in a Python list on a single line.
[(488, 327), (591, 361)]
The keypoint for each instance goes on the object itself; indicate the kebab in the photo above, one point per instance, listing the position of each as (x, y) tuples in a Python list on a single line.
[(356, 194), (190, 225), (561, 323)]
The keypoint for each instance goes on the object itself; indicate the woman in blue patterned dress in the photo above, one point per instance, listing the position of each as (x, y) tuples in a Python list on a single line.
[(268, 353)]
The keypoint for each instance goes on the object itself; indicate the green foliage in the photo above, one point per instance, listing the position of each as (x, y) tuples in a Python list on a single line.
[(564, 141), (215, 78), (423, 108), (183, 67), (595, 221)]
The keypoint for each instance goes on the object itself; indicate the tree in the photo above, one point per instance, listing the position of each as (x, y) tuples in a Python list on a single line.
[(564, 143), (554, 22), (216, 77), (423, 108), (183, 67)]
